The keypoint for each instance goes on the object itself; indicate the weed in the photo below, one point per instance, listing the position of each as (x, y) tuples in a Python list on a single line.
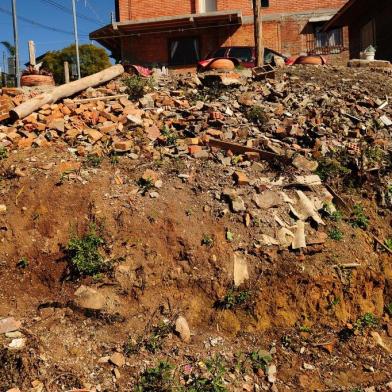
[(388, 243), (233, 299), (335, 234), (331, 168), (304, 328), (368, 320), (170, 137), (3, 153), (84, 256), (388, 308), (145, 184), (257, 115), (229, 236), (260, 359), (114, 159), (334, 302), (137, 86), (188, 212), (335, 216), (93, 161), (23, 263), (359, 219), (157, 379), (210, 379), (374, 154), (154, 341), (207, 240)]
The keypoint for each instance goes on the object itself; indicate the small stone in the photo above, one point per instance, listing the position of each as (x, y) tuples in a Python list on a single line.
[(9, 325), (135, 120), (308, 366), (123, 145), (271, 373), (240, 178), (89, 298), (3, 208), (116, 373), (17, 344), (182, 328), (150, 175), (154, 195), (238, 204), (303, 163), (117, 359), (14, 335)]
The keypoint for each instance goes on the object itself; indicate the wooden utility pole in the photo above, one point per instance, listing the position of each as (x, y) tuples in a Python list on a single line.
[(258, 33), (66, 72), (32, 53), (16, 43)]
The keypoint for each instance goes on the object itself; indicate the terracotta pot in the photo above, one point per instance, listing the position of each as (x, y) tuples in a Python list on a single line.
[(222, 64), (36, 80), (311, 60)]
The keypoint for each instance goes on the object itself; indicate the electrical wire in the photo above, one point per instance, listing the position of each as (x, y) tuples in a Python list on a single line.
[(69, 11), (89, 5), (37, 24)]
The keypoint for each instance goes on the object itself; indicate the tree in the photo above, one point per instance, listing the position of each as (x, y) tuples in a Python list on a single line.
[(92, 60), (10, 48)]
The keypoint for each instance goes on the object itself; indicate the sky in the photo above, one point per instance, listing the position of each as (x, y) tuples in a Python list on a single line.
[(54, 15)]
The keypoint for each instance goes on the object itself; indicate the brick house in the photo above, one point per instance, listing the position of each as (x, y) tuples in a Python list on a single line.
[(180, 32), (369, 23)]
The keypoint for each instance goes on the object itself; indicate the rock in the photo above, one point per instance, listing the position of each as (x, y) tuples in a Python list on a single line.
[(240, 178), (134, 120), (302, 163), (240, 273), (308, 366), (150, 175), (271, 373), (238, 204), (93, 135), (117, 359), (9, 325), (268, 199), (89, 298), (17, 344), (123, 146), (182, 328), (3, 208)]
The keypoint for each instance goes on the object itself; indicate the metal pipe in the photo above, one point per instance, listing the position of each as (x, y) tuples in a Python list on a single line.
[(76, 38), (16, 44)]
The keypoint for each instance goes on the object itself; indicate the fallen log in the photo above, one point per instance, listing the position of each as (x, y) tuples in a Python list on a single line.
[(65, 90)]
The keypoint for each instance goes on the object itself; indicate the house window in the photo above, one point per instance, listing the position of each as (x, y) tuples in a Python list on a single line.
[(184, 51), (327, 39)]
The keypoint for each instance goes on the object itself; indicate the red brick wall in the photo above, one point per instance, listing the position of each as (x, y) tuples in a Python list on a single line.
[(139, 9)]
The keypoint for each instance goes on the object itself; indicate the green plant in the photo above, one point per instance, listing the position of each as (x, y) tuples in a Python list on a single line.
[(94, 161), (207, 240), (154, 341), (388, 308), (359, 219), (137, 86), (368, 320), (388, 243), (233, 299), (157, 379), (229, 236), (260, 359), (257, 115), (334, 302), (23, 263), (3, 153), (210, 379), (145, 184), (304, 328), (170, 137), (374, 154), (331, 168), (114, 159), (335, 234), (83, 254)]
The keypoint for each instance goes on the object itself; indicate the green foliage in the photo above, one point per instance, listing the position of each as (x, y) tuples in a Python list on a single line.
[(92, 60), (304, 328), (388, 243), (368, 320), (388, 308), (257, 115), (157, 379), (170, 137), (210, 380), (229, 236), (3, 153), (233, 299), (335, 234), (331, 168), (10, 48), (84, 256), (374, 154), (23, 263), (207, 240), (137, 86), (260, 359), (94, 161), (359, 219), (145, 184)]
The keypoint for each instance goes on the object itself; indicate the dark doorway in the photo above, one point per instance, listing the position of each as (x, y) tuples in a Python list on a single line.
[(184, 51)]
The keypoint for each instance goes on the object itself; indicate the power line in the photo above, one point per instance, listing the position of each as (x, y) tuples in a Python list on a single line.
[(89, 5), (69, 11), (37, 24)]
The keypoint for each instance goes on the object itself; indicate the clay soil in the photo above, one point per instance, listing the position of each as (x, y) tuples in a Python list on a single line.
[(302, 305)]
